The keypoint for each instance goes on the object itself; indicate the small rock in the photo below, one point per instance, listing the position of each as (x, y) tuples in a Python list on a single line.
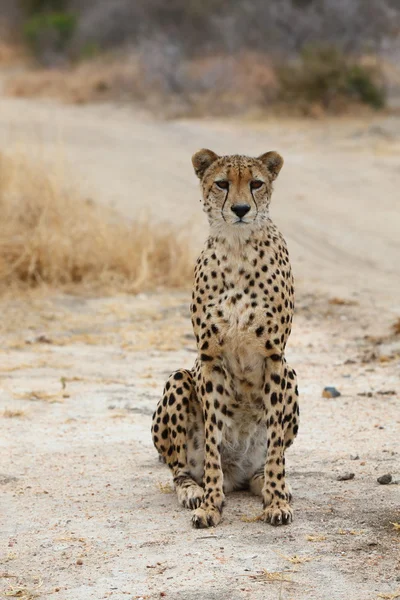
[(345, 477), (79, 561), (330, 392), (354, 456), (385, 479)]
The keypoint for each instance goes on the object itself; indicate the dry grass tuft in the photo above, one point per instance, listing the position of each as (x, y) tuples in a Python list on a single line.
[(165, 488), (271, 576), (315, 538), (251, 519), (37, 396), (396, 327), (25, 592), (350, 532), (296, 560), (50, 235), (13, 413)]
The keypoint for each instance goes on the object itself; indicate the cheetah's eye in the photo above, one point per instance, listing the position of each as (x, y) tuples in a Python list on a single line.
[(256, 184), (223, 184)]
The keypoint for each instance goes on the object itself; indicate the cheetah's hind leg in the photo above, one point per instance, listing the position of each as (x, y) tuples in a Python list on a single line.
[(176, 430), (256, 482)]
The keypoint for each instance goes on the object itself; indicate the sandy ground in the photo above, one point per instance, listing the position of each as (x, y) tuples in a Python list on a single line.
[(87, 509)]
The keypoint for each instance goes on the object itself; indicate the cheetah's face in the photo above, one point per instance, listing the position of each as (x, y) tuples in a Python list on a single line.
[(236, 189)]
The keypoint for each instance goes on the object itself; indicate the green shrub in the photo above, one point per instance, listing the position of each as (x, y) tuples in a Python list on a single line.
[(362, 83), (89, 50), (326, 77), (49, 34)]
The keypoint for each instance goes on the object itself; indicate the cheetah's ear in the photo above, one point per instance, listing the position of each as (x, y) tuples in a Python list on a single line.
[(273, 161), (202, 160)]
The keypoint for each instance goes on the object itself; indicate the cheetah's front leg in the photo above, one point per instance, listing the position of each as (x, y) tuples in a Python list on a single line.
[(210, 390), (275, 493)]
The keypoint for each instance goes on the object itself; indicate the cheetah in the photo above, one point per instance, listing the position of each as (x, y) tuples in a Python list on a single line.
[(225, 424)]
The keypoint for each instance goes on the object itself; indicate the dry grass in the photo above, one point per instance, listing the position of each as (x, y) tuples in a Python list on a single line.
[(251, 519), (396, 327), (11, 54), (217, 85), (13, 413), (50, 235), (165, 488), (25, 592), (38, 395), (316, 538), (270, 577), (296, 560), (92, 81)]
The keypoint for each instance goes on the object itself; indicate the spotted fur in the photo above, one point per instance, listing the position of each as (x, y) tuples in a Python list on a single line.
[(225, 424)]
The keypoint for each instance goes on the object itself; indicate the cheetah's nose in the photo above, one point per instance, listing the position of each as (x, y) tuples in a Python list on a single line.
[(240, 209)]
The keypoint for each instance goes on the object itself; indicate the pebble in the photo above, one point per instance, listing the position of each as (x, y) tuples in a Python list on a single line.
[(330, 392), (354, 456), (385, 479), (345, 476)]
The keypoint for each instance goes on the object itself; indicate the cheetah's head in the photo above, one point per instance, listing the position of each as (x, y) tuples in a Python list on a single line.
[(236, 189)]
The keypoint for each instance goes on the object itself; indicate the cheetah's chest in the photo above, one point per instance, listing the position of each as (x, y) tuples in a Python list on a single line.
[(241, 356)]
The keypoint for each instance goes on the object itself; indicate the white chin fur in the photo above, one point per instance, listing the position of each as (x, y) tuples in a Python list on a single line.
[(234, 230)]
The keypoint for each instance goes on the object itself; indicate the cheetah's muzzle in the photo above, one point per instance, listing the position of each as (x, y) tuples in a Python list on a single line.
[(225, 424)]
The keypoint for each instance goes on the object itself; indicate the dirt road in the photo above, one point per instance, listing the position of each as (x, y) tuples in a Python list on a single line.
[(87, 511), (337, 197)]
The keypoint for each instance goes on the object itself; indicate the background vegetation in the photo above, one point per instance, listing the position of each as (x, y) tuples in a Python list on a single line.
[(210, 56)]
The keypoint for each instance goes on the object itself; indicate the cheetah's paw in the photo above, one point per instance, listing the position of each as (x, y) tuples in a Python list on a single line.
[(191, 496), (204, 517), (278, 514)]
